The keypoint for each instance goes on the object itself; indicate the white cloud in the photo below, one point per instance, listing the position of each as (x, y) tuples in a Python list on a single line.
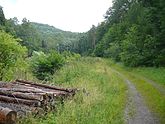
[(73, 15)]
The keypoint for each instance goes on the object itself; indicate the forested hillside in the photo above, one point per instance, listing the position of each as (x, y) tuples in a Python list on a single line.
[(54, 38), (132, 33), (38, 37)]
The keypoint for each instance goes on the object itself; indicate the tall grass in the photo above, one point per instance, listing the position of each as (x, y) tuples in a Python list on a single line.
[(101, 99)]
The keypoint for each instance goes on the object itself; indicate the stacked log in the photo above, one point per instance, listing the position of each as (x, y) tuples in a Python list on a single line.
[(34, 96)]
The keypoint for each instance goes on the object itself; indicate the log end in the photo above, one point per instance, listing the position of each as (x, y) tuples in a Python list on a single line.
[(7, 116)]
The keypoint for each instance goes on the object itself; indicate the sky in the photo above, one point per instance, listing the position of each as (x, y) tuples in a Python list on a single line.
[(68, 15)]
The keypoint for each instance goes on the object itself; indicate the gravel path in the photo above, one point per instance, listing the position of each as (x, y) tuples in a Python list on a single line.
[(136, 112), (140, 112)]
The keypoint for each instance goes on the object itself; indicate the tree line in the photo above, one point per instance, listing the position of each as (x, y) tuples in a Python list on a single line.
[(133, 33)]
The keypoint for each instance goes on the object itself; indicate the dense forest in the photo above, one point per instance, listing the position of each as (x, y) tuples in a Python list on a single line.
[(132, 33)]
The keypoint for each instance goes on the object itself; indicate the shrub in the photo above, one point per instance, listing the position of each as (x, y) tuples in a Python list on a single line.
[(11, 53), (45, 65), (70, 56)]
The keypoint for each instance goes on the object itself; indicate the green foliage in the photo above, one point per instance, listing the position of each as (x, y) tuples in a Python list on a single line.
[(113, 51), (2, 17), (138, 50), (99, 50), (55, 38), (11, 52), (45, 65), (70, 56), (29, 36), (111, 42), (132, 33)]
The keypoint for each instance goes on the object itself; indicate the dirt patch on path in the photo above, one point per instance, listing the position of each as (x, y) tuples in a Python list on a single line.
[(136, 112)]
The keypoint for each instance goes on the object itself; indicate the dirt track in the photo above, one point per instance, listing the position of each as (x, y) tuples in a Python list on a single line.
[(136, 112)]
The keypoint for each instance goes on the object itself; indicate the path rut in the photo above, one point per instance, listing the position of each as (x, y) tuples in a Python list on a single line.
[(156, 85), (153, 83)]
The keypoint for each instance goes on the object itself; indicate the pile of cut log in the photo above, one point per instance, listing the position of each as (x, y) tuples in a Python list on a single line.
[(21, 97)]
